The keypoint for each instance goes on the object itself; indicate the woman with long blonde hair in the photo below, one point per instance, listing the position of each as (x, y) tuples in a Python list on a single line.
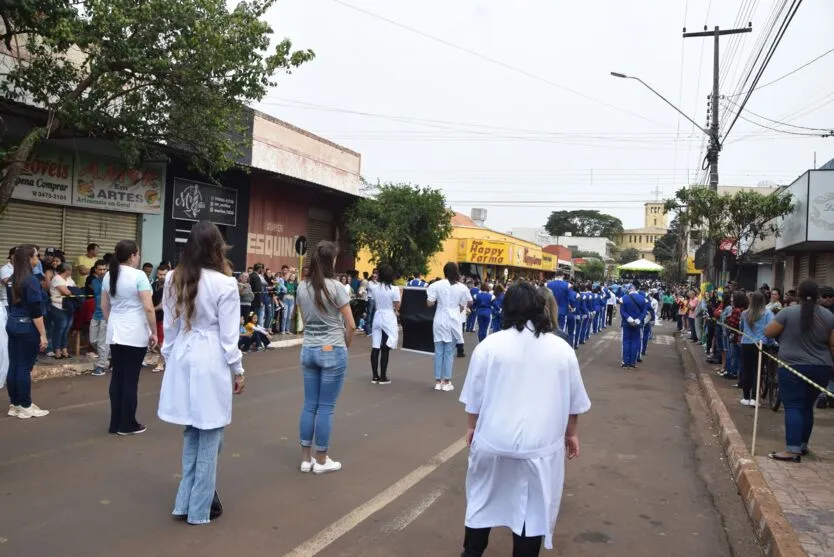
[(204, 365)]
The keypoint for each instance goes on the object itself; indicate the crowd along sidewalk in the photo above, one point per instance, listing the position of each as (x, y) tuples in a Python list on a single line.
[(50, 368), (791, 505)]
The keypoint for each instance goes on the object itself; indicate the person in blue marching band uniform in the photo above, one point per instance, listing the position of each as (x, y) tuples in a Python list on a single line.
[(595, 309), (573, 316), (418, 281), (633, 312), (560, 288), (474, 288), (497, 307), (606, 294), (647, 325), (584, 313), (483, 308)]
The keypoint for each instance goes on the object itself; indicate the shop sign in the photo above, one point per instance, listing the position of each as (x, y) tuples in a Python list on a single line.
[(728, 244), (47, 178), (690, 267), (107, 184), (548, 262), (272, 244), (532, 258), (196, 201), (484, 252)]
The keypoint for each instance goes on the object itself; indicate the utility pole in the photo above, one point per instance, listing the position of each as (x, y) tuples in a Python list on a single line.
[(715, 143)]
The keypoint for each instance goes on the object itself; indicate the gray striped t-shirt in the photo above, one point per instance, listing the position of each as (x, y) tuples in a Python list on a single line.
[(323, 328)]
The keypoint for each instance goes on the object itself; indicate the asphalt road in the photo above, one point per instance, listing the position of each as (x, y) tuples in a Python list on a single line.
[(649, 481)]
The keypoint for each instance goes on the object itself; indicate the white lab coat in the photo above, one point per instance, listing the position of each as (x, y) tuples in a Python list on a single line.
[(385, 318), (448, 317), (197, 386), (523, 388)]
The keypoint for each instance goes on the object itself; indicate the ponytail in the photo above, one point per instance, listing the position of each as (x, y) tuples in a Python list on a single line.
[(124, 251), (809, 293)]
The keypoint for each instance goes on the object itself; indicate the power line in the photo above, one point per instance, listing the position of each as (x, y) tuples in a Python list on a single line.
[(493, 61), (777, 121), (790, 73)]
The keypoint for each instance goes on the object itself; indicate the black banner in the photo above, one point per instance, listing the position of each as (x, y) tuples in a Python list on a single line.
[(417, 321), (195, 201)]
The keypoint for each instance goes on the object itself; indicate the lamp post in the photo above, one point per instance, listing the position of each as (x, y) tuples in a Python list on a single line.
[(712, 133)]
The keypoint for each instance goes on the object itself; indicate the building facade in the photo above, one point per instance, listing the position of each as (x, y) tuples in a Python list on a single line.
[(643, 239)]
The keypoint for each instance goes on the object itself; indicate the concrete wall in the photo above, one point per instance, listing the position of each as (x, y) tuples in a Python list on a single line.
[(284, 149)]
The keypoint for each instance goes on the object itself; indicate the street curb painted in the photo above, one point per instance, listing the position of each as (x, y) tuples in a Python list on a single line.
[(777, 536)]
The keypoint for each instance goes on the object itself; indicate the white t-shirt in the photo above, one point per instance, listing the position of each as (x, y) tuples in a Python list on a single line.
[(54, 294), (6, 272), (127, 325), (384, 296)]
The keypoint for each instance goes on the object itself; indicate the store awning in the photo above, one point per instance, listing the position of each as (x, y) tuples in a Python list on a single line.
[(641, 265)]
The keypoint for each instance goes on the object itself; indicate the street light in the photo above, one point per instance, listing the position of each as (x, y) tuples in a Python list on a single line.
[(679, 111)]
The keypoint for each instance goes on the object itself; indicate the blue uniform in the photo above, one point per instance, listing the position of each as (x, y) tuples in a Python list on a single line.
[(606, 294), (470, 321), (483, 309), (584, 313), (574, 319), (647, 328), (497, 311), (633, 307), (560, 289), (419, 283)]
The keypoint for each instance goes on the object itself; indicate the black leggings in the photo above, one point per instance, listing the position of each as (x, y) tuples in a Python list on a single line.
[(749, 369), (475, 542), (375, 359), (124, 384)]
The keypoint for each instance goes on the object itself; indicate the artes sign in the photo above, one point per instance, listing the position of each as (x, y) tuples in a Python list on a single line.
[(196, 201)]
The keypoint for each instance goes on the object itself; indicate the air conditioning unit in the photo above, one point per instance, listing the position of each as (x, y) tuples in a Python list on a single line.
[(479, 216)]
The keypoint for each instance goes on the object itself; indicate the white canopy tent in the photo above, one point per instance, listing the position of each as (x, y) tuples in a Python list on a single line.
[(643, 265)]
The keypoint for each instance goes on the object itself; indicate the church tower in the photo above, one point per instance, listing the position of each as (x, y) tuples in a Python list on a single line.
[(654, 216)]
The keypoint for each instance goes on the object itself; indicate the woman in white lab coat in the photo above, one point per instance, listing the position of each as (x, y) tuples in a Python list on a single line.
[(384, 331), (202, 314), (522, 393)]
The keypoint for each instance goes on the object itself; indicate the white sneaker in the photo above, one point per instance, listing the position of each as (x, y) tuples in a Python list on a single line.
[(13, 410), (307, 465), (448, 387), (32, 412), (438, 387), (328, 466)]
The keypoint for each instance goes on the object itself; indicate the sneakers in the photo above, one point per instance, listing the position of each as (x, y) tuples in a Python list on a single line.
[(375, 380), (746, 402), (438, 387), (447, 387), (32, 412), (384, 381), (139, 429), (98, 372), (328, 466), (13, 410), (307, 465)]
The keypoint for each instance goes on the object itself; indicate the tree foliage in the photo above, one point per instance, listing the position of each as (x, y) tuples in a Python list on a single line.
[(144, 74), (583, 222), (742, 218), (628, 255), (668, 247), (402, 226), (581, 254), (592, 269)]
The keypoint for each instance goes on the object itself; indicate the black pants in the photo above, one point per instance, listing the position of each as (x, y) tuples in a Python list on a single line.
[(375, 359), (475, 542), (609, 313), (749, 369), (124, 384)]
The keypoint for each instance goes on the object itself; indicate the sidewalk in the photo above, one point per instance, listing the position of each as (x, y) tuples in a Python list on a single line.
[(801, 495), (50, 368)]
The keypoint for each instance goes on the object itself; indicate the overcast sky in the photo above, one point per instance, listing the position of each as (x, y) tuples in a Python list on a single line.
[(511, 106)]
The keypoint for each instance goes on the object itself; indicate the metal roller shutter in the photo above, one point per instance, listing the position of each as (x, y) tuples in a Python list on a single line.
[(85, 226), (821, 268), (319, 227), (26, 223), (804, 266)]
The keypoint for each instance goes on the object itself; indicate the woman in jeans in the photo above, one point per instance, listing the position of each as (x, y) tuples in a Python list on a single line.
[(27, 334), (753, 320), (61, 318), (806, 342), (204, 365), (328, 332), (733, 321), (131, 327), (291, 284), (451, 297)]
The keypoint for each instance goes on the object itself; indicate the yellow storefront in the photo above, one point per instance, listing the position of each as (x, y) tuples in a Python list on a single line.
[(484, 253)]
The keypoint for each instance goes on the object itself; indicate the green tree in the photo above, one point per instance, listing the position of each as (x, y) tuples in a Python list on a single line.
[(580, 254), (402, 226), (592, 269), (628, 255), (583, 222), (143, 74), (668, 247)]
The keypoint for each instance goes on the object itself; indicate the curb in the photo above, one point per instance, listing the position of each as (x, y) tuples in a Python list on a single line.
[(775, 533)]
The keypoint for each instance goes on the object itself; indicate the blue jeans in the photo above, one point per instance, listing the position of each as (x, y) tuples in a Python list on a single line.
[(23, 351), (60, 327), (289, 307), (200, 448), (324, 370), (369, 320), (799, 398), (269, 314), (444, 359)]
